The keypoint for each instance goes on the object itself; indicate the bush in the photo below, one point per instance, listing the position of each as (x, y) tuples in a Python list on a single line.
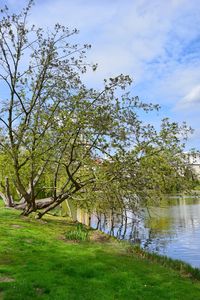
[(79, 234)]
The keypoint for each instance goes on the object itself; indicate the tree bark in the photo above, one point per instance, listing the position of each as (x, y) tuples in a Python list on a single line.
[(10, 201), (5, 200), (40, 204)]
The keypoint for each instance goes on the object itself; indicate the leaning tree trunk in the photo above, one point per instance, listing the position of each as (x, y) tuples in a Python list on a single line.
[(4, 198), (6, 195), (41, 206)]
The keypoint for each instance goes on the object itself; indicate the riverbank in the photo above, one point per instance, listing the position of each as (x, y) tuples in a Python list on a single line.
[(39, 261)]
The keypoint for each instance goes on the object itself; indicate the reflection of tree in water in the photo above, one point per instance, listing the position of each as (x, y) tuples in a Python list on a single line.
[(157, 242), (123, 224), (172, 229), (126, 225)]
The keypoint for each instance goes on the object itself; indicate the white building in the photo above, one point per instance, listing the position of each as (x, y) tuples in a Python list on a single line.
[(194, 162)]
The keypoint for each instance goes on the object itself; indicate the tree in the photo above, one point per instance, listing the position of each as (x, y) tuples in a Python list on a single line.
[(54, 129)]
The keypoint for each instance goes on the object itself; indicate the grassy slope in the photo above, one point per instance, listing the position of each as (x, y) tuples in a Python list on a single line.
[(44, 266)]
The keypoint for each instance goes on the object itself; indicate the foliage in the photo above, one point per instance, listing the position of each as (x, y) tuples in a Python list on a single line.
[(64, 140)]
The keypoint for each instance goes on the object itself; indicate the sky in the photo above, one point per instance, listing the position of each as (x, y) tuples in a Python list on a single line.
[(156, 42)]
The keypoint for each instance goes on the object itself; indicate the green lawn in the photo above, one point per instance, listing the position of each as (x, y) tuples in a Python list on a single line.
[(36, 262)]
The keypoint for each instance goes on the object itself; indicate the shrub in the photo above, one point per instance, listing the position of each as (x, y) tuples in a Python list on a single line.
[(78, 234)]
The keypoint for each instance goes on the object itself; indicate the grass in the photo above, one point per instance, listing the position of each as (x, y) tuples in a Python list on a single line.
[(184, 268), (38, 261)]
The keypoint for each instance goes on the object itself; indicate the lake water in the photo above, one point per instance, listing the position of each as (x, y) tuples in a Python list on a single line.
[(172, 230)]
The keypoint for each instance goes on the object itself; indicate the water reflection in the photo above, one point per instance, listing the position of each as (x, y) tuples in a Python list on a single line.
[(172, 230)]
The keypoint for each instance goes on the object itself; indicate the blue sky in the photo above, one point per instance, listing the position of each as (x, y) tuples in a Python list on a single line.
[(156, 42)]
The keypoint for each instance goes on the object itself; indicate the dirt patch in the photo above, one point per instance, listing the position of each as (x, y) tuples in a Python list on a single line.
[(6, 260), (99, 237), (17, 226), (1, 295), (63, 238), (39, 291), (6, 279), (28, 241), (41, 221)]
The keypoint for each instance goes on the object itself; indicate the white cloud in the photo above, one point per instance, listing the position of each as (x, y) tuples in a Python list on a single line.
[(156, 42), (140, 29), (127, 36), (191, 100)]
